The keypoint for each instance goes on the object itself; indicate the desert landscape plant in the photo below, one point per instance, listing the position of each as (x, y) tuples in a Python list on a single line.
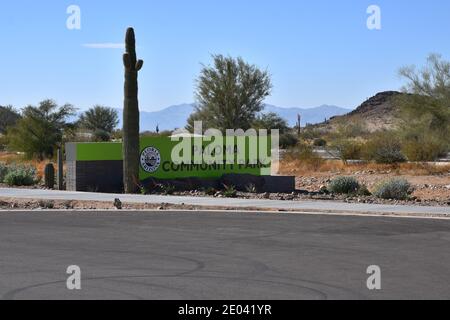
[(210, 191), (344, 185), (251, 188), (425, 110), (8, 117), (420, 143), (49, 176), (348, 149), (21, 176), (320, 142), (398, 189), (229, 191), (384, 147), (168, 189), (41, 129), (131, 115), (3, 171)]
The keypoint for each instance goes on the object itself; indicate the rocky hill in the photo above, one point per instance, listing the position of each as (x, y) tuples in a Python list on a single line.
[(377, 113)]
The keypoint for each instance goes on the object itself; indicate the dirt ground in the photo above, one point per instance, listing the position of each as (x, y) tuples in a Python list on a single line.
[(431, 182), (433, 188), (36, 204)]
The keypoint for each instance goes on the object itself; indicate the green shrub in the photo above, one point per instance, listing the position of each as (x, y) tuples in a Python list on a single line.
[(3, 142), (344, 185), (399, 189), (46, 204), (349, 149), (168, 189), (230, 191), (384, 148), (423, 139), (21, 176), (363, 191), (143, 190), (210, 191), (288, 140), (311, 133), (251, 188), (3, 171), (425, 148), (319, 142)]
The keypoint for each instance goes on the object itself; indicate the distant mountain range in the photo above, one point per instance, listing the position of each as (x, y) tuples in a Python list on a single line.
[(175, 117)]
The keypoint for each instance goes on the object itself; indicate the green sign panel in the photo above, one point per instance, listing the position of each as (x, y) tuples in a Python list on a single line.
[(157, 157)]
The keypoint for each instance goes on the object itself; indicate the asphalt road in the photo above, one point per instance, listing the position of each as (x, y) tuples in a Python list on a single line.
[(126, 255)]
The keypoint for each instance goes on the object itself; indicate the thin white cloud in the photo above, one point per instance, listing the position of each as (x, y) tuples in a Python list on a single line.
[(104, 45)]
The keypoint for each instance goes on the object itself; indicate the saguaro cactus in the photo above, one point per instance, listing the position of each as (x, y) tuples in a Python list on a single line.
[(131, 115), (49, 176)]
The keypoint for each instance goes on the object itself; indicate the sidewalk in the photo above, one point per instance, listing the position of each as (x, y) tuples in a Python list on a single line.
[(302, 206)]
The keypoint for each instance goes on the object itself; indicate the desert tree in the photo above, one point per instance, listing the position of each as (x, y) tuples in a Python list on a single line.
[(41, 129), (425, 109), (271, 121), (229, 94), (101, 121), (8, 117)]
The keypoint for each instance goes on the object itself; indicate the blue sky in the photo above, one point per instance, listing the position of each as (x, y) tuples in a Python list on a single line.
[(318, 52)]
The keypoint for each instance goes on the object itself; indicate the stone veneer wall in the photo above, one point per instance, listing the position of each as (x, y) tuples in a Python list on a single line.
[(95, 176)]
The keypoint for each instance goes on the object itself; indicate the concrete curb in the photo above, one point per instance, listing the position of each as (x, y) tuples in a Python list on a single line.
[(233, 211), (231, 204)]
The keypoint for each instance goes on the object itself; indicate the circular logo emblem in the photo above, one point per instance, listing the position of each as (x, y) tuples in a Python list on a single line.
[(150, 159)]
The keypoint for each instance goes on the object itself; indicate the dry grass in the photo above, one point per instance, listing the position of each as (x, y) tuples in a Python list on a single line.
[(290, 166), (300, 168)]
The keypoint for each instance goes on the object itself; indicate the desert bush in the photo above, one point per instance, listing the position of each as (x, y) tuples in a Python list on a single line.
[(143, 190), (210, 191), (348, 149), (384, 148), (363, 191), (424, 148), (399, 189), (46, 204), (168, 189), (288, 140), (3, 142), (21, 176), (344, 185), (3, 171), (311, 133), (319, 142), (306, 155)]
